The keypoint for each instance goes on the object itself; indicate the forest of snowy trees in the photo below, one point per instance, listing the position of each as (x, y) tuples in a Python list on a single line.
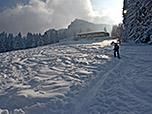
[(137, 21), (8, 42)]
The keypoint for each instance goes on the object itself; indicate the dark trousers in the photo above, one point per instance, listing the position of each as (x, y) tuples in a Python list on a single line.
[(116, 51)]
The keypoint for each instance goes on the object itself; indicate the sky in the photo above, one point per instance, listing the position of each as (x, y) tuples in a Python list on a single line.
[(37, 16)]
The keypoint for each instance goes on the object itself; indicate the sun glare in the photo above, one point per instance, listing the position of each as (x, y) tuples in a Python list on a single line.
[(125, 11)]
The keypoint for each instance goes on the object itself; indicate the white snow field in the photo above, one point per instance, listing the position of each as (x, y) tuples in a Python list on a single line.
[(77, 77)]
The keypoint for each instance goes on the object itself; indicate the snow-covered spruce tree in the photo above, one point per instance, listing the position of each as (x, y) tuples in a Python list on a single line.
[(41, 41), (19, 41), (9, 42), (117, 31), (137, 20), (114, 31), (37, 39), (30, 41), (50, 36), (3, 37), (61, 33)]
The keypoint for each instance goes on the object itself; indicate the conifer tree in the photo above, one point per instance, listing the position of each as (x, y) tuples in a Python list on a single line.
[(137, 20)]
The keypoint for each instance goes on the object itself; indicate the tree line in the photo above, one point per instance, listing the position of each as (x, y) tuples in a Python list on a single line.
[(8, 42)]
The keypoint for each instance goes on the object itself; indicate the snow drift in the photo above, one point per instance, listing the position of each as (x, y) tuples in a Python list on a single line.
[(76, 77)]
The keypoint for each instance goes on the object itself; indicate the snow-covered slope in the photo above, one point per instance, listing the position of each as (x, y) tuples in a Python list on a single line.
[(76, 77)]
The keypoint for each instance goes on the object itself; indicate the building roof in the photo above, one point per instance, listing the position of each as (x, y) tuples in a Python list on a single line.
[(91, 32)]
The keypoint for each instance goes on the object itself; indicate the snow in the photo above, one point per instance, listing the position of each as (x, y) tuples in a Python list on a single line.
[(90, 32), (77, 77)]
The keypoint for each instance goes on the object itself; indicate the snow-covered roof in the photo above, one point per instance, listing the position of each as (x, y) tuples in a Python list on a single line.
[(91, 32)]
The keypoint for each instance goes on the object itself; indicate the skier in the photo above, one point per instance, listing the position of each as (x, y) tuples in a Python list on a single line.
[(116, 49)]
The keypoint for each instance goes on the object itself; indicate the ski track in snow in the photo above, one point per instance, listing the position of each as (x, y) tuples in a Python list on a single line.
[(125, 89), (77, 78)]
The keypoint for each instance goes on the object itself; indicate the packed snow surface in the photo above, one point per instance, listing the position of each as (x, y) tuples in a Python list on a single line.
[(77, 77)]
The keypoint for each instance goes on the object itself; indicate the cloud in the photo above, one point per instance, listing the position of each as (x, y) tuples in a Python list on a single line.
[(38, 16)]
